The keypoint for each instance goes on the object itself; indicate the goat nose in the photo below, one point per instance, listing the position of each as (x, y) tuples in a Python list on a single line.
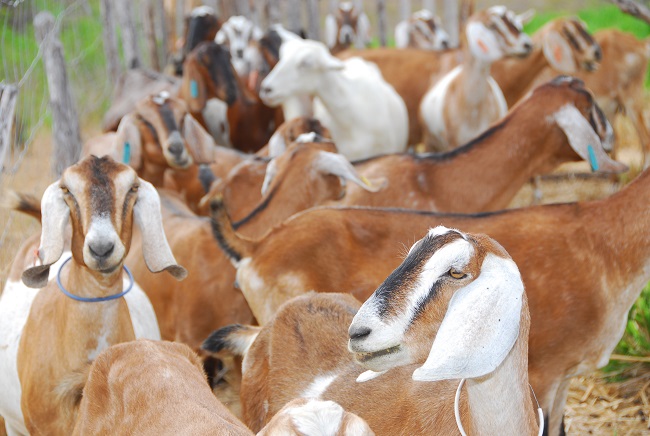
[(240, 53), (445, 44), (265, 90), (357, 333), (176, 148), (101, 249), (528, 47), (598, 54)]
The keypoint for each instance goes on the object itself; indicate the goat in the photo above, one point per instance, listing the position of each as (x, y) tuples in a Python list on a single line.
[(422, 30), (202, 24), (208, 74), (464, 102), (563, 45), (460, 291), (121, 398), (47, 336), (240, 34), (365, 114), (349, 27), (583, 264), (556, 124)]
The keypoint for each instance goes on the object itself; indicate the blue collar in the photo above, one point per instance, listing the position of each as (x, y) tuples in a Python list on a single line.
[(96, 299)]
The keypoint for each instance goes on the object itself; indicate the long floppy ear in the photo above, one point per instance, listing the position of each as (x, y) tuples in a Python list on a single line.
[(55, 216), (480, 327), (193, 86), (269, 175), (128, 142), (363, 31), (482, 42), (585, 141), (337, 165), (558, 53), (157, 254), (331, 29), (402, 34), (199, 142)]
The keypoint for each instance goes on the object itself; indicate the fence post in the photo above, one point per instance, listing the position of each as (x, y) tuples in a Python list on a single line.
[(404, 10), (313, 9), (333, 5), (110, 41), (255, 13), (65, 125), (294, 19), (162, 21), (383, 22), (150, 33), (429, 5), (124, 12), (450, 20), (8, 99), (272, 12)]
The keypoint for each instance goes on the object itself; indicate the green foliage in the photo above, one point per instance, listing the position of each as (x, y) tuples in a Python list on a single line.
[(636, 339)]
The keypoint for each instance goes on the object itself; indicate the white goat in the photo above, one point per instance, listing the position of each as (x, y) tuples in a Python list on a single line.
[(364, 113), (462, 292), (467, 99), (48, 335)]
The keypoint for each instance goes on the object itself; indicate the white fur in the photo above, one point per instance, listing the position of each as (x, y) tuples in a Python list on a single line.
[(317, 418), (15, 304), (318, 386), (433, 103), (237, 33), (364, 113)]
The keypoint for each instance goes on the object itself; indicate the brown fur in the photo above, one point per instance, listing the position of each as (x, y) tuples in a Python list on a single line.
[(583, 265), (122, 398)]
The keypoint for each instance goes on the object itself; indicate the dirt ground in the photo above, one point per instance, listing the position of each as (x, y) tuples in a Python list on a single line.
[(594, 406)]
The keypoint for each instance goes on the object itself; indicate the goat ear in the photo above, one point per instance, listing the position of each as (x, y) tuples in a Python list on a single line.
[(482, 42), (558, 53), (337, 165), (329, 62), (277, 144), (157, 254), (363, 31), (402, 34), (193, 87), (128, 147), (480, 327), (585, 141), (331, 29), (199, 142), (55, 217)]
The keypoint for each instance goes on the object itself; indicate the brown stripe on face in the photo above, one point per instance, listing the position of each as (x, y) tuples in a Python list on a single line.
[(167, 116), (572, 40), (99, 173), (391, 296), (583, 32)]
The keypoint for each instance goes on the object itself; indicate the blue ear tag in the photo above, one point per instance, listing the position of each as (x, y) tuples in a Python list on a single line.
[(194, 89), (127, 153), (592, 158)]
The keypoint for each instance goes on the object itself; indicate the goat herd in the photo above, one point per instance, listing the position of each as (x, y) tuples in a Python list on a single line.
[(475, 330)]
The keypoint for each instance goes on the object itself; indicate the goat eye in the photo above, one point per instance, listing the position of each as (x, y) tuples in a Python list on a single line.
[(135, 188), (457, 274), (65, 190)]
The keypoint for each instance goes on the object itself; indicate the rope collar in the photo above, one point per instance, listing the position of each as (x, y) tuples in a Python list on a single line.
[(96, 299), (540, 414)]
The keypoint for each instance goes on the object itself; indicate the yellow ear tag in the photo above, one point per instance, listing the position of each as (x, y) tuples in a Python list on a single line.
[(366, 182)]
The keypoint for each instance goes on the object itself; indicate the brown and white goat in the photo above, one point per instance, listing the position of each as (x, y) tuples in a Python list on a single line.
[(209, 74), (48, 336), (461, 292), (464, 102), (348, 27), (584, 264), (562, 46), (422, 30), (557, 123), (172, 396)]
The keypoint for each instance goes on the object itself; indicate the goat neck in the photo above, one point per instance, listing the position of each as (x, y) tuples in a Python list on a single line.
[(474, 79), (513, 408)]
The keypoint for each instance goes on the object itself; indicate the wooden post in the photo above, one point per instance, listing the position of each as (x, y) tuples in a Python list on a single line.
[(162, 30), (179, 21), (65, 125), (429, 5), (333, 6), (124, 13), (272, 12), (404, 10), (294, 18), (110, 41), (8, 99), (255, 13), (634, 8), (243, 7), (150, 33), (383, 22), (450, 21), (313, 10)]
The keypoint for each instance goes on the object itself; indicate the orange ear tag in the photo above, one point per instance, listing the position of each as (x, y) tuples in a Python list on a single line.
[(482, 45), (557, 54)]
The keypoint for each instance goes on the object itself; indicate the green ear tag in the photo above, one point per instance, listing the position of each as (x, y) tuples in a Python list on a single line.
[(592, 158), (194, 89), (127, 153)]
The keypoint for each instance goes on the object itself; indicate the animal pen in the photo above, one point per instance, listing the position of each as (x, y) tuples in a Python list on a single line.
[(64, 62)]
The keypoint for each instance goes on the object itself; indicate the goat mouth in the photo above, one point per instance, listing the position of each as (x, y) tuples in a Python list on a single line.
[(364, 357), (590, 66)]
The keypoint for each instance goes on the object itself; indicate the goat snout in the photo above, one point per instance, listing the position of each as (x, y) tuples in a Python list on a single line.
[(101, 249), (239, 53), (176, 148), (528, 47), (358, 332), (598, 54)]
